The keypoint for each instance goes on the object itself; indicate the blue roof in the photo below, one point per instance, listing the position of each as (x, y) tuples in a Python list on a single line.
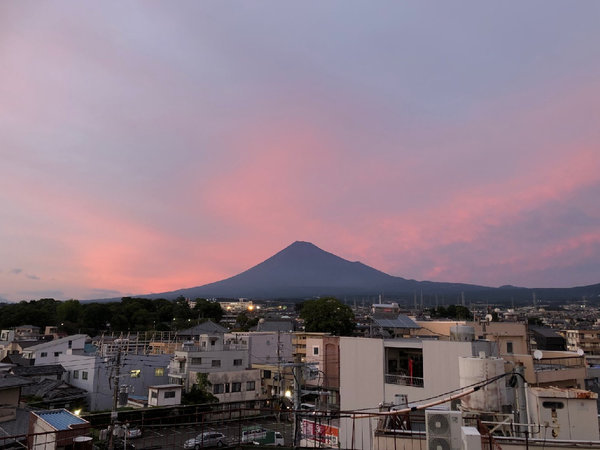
[(401, 321), (60, 419)]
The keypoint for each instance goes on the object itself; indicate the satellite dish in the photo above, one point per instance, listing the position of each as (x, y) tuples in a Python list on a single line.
[(489, 317), (580, 352), (538, 354)]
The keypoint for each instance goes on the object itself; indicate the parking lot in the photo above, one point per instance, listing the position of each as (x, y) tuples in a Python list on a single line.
[(174, 437)]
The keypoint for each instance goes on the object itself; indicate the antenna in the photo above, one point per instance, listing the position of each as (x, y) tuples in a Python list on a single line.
[(538, 354), (580, 351)]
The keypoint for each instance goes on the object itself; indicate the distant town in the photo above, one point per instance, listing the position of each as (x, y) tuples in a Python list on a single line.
[(329, 373)]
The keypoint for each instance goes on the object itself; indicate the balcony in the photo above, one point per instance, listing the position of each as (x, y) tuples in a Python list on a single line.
[(546, 364), (403, 380)]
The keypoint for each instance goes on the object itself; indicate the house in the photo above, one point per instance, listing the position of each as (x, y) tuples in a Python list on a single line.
[(207, 354), (10, 395), (39, 373), (264, 347), (50, 352), (56, 429), (54, 394), (95, 375), (164, 395)]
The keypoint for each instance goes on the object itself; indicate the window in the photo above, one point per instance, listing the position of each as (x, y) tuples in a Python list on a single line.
[(159, 372), (236, 387), (509, 347), (218, 389), (135, 373), (227, 388), (315, 350), (266, 374), (57, 354), (169, 394), (250, 385), (84, 375), (43, 354), (75, 374), (153, 394), (70, 344), (196, 361), (216, 363), (237, 362)]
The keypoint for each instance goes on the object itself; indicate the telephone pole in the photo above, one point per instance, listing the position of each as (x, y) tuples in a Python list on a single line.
[(114, 414)]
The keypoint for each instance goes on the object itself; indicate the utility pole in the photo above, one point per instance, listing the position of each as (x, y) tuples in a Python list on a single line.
[(521, 399), (114, 414), (297, 371)]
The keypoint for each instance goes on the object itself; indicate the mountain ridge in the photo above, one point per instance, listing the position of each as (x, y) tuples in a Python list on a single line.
[(303, 270)]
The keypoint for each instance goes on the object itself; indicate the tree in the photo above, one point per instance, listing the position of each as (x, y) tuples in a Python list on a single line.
[(208, 310), (328, 315), (200, 392)]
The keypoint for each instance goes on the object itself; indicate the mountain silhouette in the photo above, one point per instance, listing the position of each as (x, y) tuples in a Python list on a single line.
[(304, 270)]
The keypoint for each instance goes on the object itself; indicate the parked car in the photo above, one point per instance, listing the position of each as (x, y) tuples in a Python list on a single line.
[(206, 439), (133, 432)]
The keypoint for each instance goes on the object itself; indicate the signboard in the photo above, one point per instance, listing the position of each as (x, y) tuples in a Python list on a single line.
[(322, 433)]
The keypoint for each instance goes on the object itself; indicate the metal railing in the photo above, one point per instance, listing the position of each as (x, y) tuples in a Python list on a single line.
[(403, 380), (558, 363)]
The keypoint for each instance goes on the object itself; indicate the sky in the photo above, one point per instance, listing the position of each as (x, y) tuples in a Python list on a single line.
[(151, 146)]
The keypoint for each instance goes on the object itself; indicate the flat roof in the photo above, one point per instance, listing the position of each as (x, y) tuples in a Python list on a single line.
[(165, 386), (60, 419)]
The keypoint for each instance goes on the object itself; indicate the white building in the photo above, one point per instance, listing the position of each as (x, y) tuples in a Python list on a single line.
[(164, 395), (264, 347), (51, 351), (96, 375), (374, 371), (208, 354)]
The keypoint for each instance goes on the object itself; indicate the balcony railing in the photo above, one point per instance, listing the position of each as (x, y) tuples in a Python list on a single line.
[(558, 363), (403, 380)]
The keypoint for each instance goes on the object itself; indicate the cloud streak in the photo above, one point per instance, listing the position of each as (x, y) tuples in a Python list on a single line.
[(153, 149)]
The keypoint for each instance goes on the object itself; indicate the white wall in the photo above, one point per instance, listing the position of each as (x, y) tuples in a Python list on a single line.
[(361, 386)]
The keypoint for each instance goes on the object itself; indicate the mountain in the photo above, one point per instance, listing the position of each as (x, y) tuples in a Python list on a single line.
[(303, 270)]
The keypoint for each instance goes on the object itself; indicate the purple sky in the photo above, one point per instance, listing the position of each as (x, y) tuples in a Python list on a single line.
[(150, 146)]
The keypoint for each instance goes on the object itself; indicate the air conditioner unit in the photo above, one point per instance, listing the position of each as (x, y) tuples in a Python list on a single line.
[(443, 429)]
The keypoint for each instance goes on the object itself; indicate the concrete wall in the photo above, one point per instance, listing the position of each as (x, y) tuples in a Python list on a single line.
[(262, 346), (361, 386)]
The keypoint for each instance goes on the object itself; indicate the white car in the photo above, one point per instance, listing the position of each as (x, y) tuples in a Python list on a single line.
[(206, 439), (133, 433)]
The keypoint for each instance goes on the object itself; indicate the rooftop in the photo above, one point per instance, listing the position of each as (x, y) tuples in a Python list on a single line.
[(60, 419), (50, 344), (11, 381)]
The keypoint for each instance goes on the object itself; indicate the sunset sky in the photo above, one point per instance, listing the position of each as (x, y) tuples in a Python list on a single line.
[(150, 146)]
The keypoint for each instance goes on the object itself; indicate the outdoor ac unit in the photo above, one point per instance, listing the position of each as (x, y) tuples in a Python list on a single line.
[(443, 429)]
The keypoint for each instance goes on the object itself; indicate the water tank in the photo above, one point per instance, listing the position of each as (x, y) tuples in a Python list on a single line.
[(492, 396), (462, 333)]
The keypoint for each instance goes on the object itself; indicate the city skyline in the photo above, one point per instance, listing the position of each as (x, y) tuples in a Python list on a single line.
[(152, 147)]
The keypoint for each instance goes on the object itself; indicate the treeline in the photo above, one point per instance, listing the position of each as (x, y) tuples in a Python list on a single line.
[(130, 314)]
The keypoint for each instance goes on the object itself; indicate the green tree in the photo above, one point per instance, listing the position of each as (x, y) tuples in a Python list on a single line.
[(328, 315), (208, 310), (200, 392)]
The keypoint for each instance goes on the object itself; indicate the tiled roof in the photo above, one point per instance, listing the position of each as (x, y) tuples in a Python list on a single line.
[(60, 419), (47, 369), (10, 381)]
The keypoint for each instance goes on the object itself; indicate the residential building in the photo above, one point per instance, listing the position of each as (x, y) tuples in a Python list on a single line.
[(96, 374), (299, 344), (264, 347), (511, 337), (586, 340), (164, 395), (374, 371), (51, 351), (236, 385), (10, 395), (208, 354), (323, 355), (57, 429)]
